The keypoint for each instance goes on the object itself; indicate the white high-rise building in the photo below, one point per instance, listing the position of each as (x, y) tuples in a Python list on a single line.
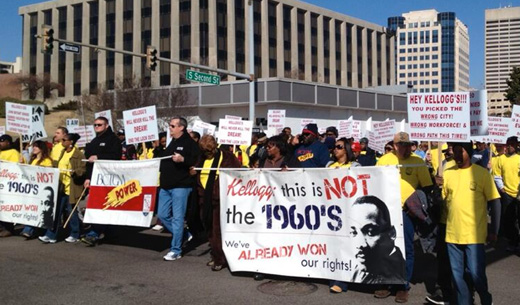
[(502, 54), (432, 51)]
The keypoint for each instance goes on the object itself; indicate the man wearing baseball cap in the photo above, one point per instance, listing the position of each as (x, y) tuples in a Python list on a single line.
[(469, 191), (413, 176), (311, 152)]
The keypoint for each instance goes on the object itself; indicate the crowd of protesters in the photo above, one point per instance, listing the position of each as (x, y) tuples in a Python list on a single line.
[(461, 184)]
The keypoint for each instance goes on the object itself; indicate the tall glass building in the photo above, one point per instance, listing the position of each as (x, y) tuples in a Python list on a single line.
[(432, 51)]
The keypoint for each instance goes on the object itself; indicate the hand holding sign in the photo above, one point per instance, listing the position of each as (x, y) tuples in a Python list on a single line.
[(177, 158)]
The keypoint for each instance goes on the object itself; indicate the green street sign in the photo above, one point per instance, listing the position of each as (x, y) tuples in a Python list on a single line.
[(202, 77)]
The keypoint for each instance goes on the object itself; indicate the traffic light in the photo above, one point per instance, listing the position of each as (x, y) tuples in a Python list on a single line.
[(47, 39), (151, 58)]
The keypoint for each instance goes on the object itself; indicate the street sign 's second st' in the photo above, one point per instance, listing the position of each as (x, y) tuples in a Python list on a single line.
[(202, 77)]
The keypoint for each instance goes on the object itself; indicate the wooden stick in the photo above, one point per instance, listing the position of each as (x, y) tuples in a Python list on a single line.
[(74, 209), (145, 152), (440, 169)]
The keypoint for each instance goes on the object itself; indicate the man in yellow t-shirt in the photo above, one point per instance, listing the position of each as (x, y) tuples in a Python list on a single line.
[(468, 190), (57, 147), (414, 175), (506, 174)]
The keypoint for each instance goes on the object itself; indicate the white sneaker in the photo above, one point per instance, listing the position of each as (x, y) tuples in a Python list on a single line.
[(71, 239), (44, 239), (171, 256), (157, 228)]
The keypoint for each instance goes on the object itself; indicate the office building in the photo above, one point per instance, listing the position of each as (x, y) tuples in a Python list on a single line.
[(292, 39), (432, 51), (502, 54)]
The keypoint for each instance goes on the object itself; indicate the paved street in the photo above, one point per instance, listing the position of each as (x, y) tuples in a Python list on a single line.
[(128, 269)]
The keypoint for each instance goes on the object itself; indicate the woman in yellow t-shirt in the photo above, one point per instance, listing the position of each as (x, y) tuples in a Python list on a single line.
[(40, 157), (342, 154), (72, 170)]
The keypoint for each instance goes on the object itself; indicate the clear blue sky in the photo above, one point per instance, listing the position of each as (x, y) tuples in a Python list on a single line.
[(471, 12)]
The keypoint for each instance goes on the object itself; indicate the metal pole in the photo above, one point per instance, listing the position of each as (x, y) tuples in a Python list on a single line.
[(177, 62), (251, 64)]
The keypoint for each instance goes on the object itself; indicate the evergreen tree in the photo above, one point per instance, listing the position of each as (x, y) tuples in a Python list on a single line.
[(513, 84)]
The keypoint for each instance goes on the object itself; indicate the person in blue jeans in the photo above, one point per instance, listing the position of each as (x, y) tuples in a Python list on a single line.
[(469, 192), (176, 183)]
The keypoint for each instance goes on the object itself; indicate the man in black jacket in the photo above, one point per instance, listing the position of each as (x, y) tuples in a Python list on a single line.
[(105, 146), (176, 183)]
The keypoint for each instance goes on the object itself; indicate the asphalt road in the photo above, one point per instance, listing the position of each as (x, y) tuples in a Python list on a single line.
[(128, 269)]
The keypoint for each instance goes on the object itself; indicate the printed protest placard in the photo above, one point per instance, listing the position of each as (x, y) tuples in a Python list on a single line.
[(86, 134), (232, 117), (276, 119), (71, 123), (382, 133), (304, 122), (107, 114), (123, 192), (141, 125), (498, 129), (344, 128), (355, 130), (18, 118), (514, 125), (478, 113), (28, 194), (234, 132), (314, 223), (204, 128), (439, 116)]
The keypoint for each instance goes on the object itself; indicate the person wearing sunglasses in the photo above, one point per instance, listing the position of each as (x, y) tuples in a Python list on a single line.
[(105, 146), (343, 155), (310, 152)]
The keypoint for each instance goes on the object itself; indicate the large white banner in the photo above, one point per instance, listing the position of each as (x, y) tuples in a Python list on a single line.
[(439, 116), (28, 194), (342, 224), (141, 125), (123, 192), (235, 132)]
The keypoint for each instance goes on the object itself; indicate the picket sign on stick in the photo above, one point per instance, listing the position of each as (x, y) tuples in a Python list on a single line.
[(75, 207)]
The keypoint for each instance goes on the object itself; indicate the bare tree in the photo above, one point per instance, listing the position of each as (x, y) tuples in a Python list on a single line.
[(133, 93), (32, 84)]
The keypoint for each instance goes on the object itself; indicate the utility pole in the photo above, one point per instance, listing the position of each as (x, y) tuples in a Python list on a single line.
[(251, 63)]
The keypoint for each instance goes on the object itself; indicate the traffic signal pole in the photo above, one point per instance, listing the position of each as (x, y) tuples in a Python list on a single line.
[(161, 59)]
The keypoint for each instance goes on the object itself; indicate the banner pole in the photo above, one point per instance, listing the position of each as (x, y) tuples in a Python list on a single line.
[(145, 153), (74, 209), (440, 170)]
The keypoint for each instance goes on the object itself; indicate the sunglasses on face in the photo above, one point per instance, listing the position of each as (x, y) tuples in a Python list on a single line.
[(339, 146), (98, 125)]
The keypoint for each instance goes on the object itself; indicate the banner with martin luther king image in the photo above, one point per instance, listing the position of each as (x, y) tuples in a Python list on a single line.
[(341, 224)]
